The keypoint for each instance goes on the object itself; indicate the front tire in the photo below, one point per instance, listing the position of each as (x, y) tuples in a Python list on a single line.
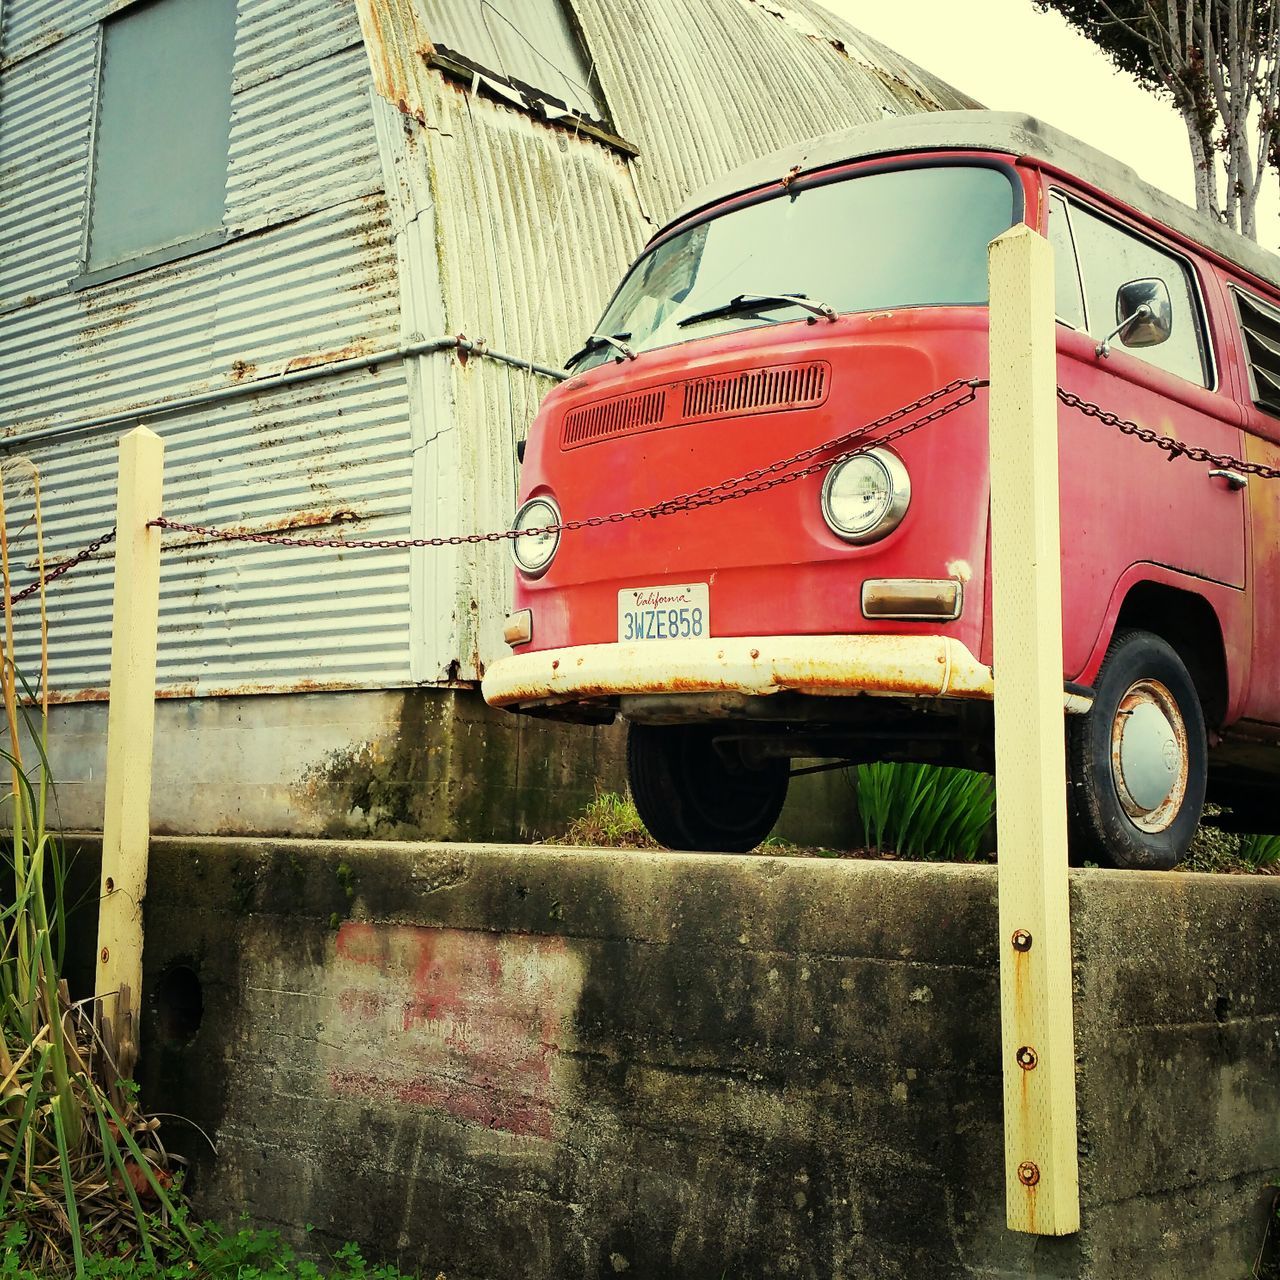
[(692, 795), (1138, 761)]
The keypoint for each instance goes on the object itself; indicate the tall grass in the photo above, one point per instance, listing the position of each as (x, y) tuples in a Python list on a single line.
[(80, 1167), (918, 809)]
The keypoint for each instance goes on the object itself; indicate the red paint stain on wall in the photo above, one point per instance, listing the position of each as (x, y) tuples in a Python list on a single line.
[(457, 1021)]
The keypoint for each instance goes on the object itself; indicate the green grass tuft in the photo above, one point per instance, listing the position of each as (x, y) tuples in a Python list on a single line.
[(610, 821)]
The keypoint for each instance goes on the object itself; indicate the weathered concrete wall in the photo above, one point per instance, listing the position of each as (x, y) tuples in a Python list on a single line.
[(426, 764), (528, 1062)]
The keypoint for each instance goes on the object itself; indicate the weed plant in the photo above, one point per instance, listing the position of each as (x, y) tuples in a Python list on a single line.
[(916, 810), (242, 1255), (80, 1168), (610, 821)]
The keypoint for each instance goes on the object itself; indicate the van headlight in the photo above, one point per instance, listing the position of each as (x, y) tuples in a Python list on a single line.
[(534, 552), (866, 496)]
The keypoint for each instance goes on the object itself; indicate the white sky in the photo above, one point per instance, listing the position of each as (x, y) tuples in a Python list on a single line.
[(1012, 58)]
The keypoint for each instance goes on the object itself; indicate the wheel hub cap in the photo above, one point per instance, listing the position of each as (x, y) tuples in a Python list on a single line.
[(1149, 755)]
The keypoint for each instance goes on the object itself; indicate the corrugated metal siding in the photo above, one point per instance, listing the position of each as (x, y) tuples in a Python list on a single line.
[(552, 217), (735, 81), (324, 283), (274, 39), (46, 115), (239, 616), (30, 25), (281, 164), (308, 277)]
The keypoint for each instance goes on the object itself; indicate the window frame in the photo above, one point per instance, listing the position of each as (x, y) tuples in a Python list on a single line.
[(842, 172), (84, 277), (1207, 346), (530, 99), (1075, 257)]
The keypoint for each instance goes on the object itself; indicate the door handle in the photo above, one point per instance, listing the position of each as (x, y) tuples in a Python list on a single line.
[(1233, 478)]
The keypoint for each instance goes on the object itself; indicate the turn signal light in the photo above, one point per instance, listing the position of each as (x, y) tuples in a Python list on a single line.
[(519, 628), (912, 599)]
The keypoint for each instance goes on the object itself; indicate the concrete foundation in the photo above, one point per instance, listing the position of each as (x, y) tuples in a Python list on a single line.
[(427, 764), (495, 1062)]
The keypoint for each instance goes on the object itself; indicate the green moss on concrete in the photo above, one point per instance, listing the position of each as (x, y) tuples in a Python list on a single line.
[(456, 769)]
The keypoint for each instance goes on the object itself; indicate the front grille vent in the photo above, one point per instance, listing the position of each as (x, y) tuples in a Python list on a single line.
[(768, 390), (794, 386), (614, 418)]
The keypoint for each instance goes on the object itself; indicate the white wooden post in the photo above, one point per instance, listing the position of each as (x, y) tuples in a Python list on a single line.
[(1038, 1033), (126, 823)]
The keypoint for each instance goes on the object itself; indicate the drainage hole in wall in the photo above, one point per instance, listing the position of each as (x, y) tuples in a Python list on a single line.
[(179, 1004)]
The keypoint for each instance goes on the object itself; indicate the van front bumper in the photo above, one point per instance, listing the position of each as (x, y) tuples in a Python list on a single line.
[(879, 665)]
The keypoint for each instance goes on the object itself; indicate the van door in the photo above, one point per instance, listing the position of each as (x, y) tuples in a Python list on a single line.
[(1124, 502), (1260, 394)]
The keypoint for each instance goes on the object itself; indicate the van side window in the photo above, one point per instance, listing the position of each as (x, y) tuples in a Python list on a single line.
[(1260, 325), (1068, 293), (1110, 257)]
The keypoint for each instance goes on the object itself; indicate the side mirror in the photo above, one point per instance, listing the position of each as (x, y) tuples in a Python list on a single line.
[(1144, 315)]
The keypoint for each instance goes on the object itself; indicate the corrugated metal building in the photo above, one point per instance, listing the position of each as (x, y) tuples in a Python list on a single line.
[(257, 226)]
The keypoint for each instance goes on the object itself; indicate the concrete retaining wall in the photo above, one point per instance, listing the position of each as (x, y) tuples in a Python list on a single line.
[(407, 764), (495, 1062)]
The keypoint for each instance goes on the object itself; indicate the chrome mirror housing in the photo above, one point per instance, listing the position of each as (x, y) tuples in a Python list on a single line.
[(1144, 315)]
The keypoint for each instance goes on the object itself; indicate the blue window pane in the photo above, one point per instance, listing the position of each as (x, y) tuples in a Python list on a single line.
[(164, 118)]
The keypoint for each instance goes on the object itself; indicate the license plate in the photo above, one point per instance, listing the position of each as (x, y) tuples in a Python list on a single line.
[(679, 612)]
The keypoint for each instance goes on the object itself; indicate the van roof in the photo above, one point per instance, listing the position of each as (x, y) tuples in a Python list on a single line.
[(1008, 132)]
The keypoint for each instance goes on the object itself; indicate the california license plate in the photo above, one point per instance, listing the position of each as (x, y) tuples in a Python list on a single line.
[(679, 612)]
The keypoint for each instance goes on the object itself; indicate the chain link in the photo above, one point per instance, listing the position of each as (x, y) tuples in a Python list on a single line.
[(758, 480), (65, 567), (1174, 448)]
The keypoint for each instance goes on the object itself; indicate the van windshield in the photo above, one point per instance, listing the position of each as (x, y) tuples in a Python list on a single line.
[(897, 238)]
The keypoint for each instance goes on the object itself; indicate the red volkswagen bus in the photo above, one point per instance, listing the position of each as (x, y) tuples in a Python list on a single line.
[(841, 610)]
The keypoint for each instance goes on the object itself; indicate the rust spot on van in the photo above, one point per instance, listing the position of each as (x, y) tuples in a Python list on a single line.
[(242, 369)]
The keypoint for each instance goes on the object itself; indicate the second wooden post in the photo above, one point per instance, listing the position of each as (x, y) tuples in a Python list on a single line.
[(1042, 1192)]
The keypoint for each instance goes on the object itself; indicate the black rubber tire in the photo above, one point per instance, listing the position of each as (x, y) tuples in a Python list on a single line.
[(689, 797), (1101, 830)]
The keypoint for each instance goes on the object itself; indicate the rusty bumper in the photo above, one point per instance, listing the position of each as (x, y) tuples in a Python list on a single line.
[(880, 665)]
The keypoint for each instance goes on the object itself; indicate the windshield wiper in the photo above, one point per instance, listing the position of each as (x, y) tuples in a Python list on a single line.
[(761, 302), (598, 340)]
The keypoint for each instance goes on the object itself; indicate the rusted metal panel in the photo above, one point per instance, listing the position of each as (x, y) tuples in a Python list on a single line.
[(396, 43)]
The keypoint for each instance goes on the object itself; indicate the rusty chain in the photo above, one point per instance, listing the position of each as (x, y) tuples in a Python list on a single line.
[(64, 567), (1174, 448), (755, 481)]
